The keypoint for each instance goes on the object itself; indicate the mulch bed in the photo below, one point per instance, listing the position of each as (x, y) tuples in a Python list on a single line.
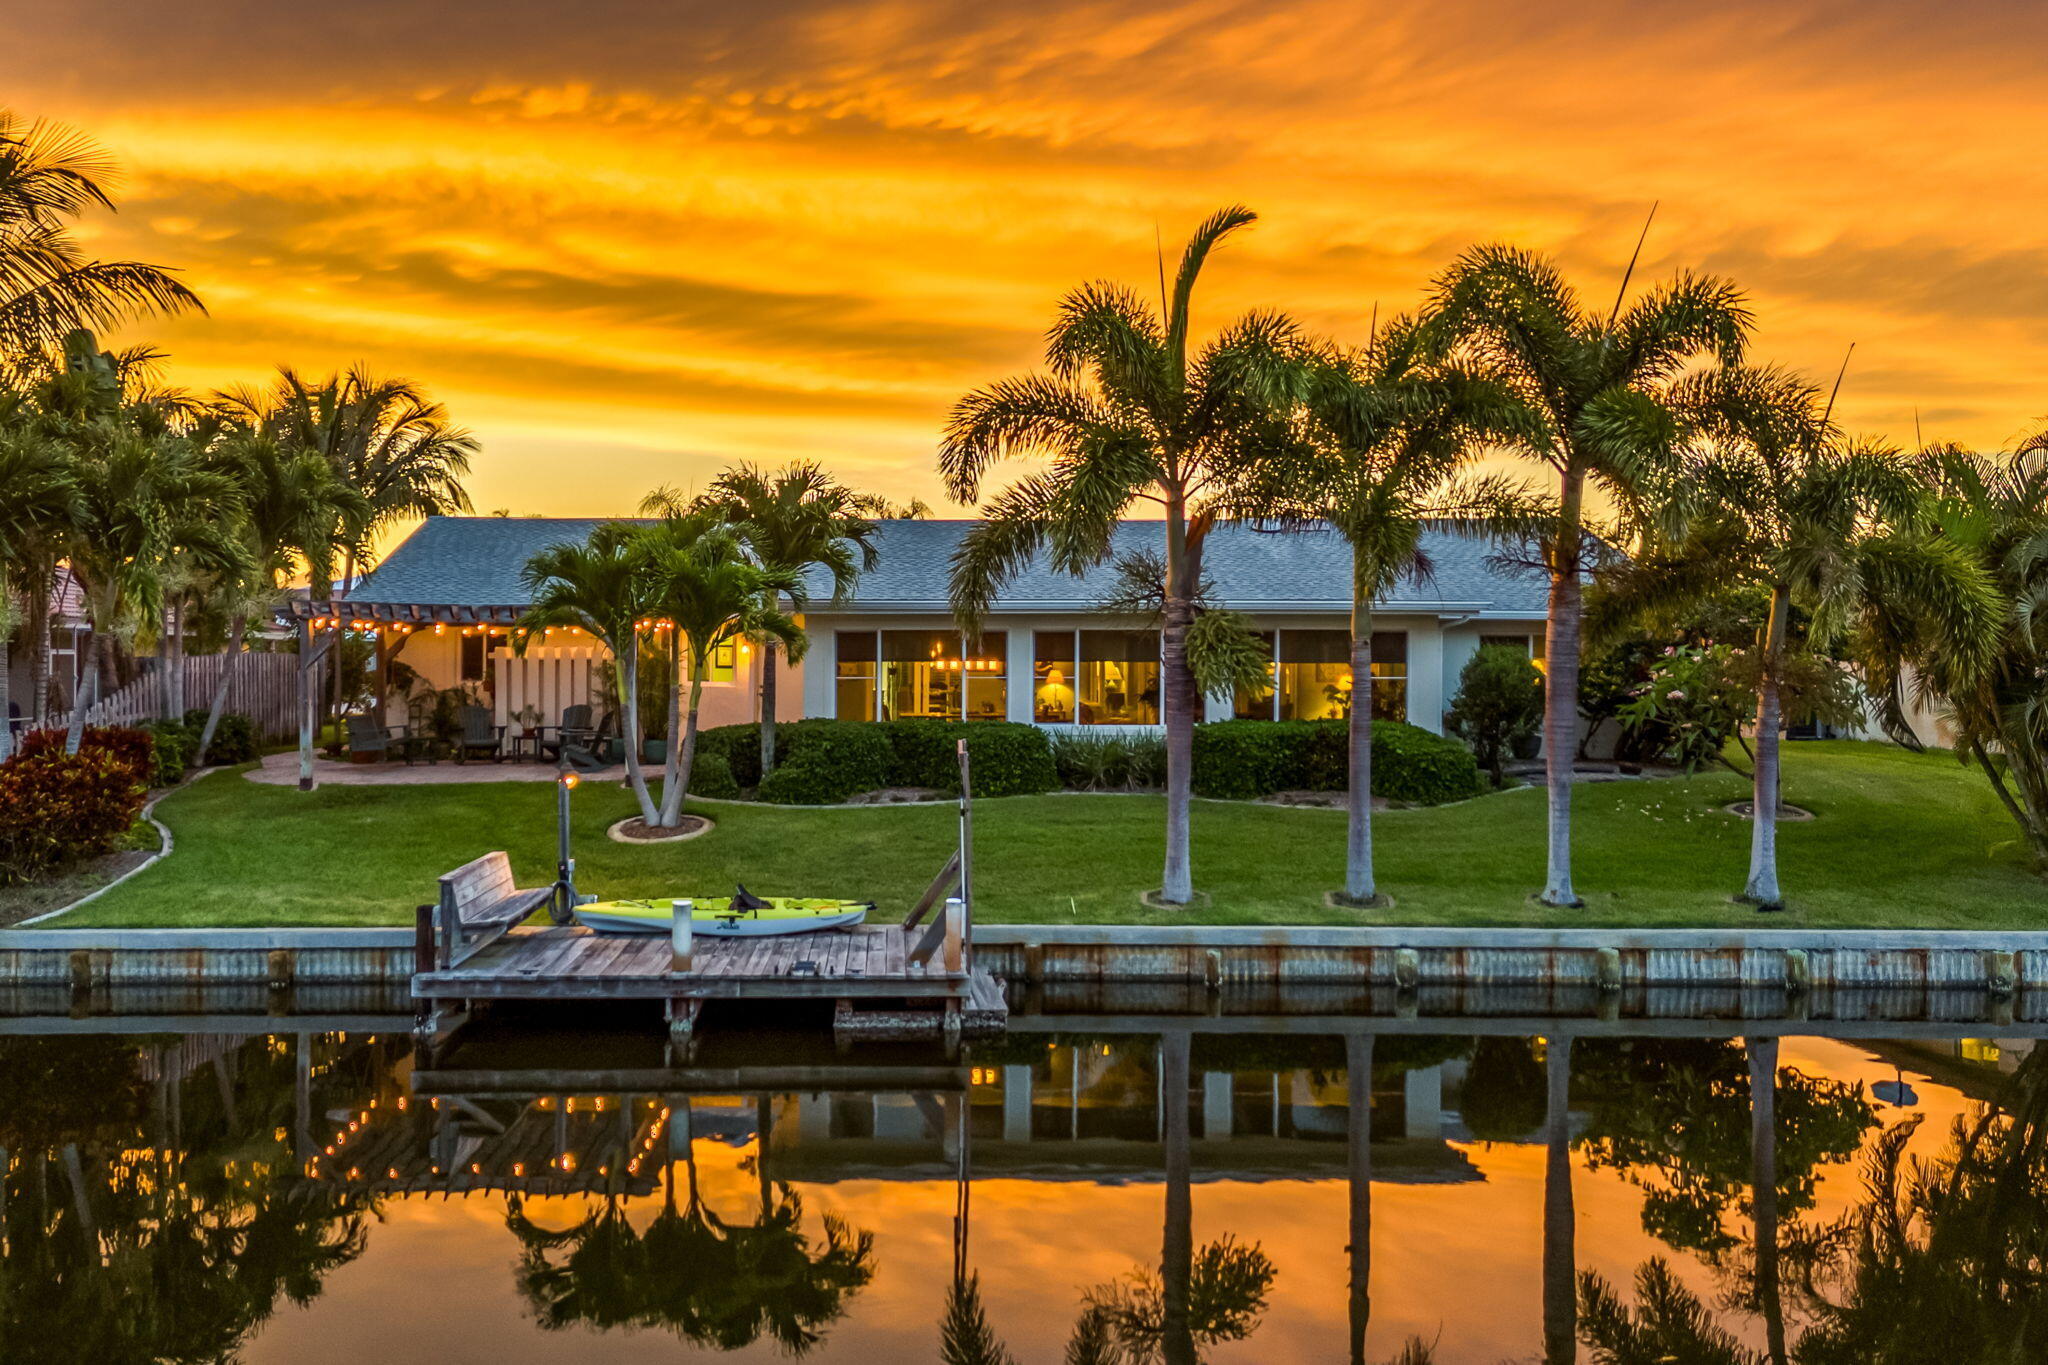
[(18, 903), (636, 830)]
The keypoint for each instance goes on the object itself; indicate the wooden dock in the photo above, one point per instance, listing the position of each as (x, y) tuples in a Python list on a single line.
[(874, 975)]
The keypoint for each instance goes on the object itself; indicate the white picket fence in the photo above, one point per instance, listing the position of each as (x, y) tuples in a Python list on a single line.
[(263, 687), (549, 678)]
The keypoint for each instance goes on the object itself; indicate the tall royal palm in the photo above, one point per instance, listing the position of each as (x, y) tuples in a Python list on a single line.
[(1384, 435), (1783, 505), (49, 176), (1592, 388), (600, 587), (794, 520), (1126, 417)]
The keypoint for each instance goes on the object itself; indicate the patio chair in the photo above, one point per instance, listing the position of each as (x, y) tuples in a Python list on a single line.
[(480, 736), (366, 736), (573, 737)]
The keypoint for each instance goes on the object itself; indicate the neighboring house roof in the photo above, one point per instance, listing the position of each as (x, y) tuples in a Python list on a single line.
[(472, 564)]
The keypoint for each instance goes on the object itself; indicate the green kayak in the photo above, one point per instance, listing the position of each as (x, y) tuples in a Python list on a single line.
[(719, 917)]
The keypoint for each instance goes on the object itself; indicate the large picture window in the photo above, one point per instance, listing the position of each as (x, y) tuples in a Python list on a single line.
[(920, 674), (1312, 677), (1052, 677), (1117, 677), (855, 698)]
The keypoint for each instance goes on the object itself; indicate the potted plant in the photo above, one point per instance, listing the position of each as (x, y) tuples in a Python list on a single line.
[(527, 718)]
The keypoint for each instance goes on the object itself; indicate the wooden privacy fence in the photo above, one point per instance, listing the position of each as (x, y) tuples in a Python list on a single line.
[(263, 687)]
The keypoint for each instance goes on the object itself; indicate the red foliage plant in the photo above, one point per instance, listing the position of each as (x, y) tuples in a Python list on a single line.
[(56, 808)]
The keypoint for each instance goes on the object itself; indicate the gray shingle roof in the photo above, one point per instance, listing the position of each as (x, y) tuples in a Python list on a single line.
[(475, 562)]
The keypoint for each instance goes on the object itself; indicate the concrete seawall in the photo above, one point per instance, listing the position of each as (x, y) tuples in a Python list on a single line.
[(1596, 960)]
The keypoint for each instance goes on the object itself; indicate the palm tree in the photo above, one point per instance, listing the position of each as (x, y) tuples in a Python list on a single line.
[(385, 438), (1592, 391), (294, 511), (795, 519), (1384, 435), (1782, 505), (48, 176), (1993, 511), (1126, 416), (599, 586), (703, 587), (1669, 1323), (41, 501), (142, 498)]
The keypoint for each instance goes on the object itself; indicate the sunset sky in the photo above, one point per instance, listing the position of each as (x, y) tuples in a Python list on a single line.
[(630, 242)]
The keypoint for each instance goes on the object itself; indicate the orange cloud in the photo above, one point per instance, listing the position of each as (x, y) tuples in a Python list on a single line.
[(652, 239)]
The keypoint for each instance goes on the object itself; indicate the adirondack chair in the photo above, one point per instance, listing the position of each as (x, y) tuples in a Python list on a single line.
[(366, 736), (573, 737), (480, 735)]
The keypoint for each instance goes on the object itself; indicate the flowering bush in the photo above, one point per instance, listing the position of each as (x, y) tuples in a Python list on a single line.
[(1703, 695), (56, 808)]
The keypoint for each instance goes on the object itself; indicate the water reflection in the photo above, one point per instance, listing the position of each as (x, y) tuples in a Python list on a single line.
[(175, 1199)]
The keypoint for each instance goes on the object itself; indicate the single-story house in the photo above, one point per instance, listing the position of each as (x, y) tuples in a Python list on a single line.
[(445, 599)]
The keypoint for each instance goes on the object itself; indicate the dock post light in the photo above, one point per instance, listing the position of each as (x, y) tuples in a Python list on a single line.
[(565, 866)]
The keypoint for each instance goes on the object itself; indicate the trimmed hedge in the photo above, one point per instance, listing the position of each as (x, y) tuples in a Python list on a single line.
[(1243, 759), (826, 764), (1005, 758), (1008, 759)]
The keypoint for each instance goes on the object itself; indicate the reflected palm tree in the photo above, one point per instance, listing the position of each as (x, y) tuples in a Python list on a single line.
[(1669, 1325), (711, 1282), (1560, 1256), (1358, 1153), (1948, 1252)]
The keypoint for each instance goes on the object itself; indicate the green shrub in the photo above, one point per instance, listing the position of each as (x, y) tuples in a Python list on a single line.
[(1242, 759), (1108, 762), (1005, 758), (1412, 765), (826, 762), (174, 748), (1499, 705), (711, 772), (234, 739), (740, 746), (56, 808)]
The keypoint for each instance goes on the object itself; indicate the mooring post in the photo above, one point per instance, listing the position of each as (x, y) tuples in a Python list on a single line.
[(679, 935), (966, 900), (956, 915)]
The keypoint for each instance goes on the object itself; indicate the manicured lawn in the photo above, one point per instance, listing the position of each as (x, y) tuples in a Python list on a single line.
[(1901, 840)]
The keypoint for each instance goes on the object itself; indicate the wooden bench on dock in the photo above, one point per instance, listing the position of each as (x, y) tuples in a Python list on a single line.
[(478, 905)]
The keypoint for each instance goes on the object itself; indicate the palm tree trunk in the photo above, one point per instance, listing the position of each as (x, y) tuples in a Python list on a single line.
[(1561, 691), (1179, 698), (1763, 1164), (1358, 1139), (1359, 886), (6, 692), (174, 664), (88, 676), (2031, 827), (1177, 1246), (38, 616), (228, 669), (683, 752), (1762, 889), (671, 763), (1560, 1258), (767, 707), (628, 673)]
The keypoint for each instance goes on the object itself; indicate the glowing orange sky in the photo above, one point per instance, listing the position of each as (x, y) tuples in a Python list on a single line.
[(627, 243)]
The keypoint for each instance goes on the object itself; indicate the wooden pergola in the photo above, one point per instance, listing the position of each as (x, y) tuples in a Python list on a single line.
[(320, 624)]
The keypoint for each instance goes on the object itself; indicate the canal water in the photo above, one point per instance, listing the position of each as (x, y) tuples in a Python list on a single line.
[(1582, 1190)]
